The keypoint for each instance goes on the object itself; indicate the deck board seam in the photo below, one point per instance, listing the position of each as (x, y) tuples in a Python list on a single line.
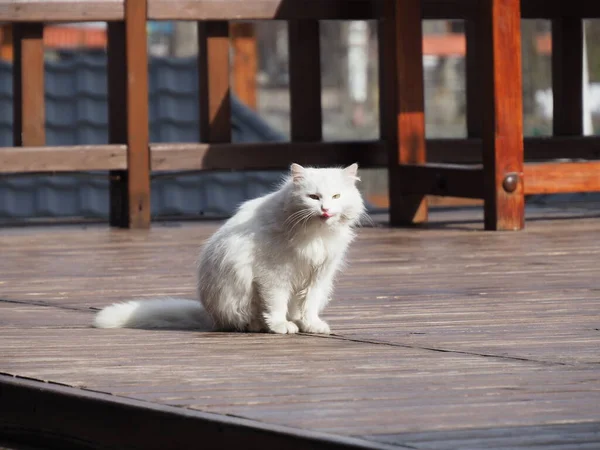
[(90, 309), (443, 350)]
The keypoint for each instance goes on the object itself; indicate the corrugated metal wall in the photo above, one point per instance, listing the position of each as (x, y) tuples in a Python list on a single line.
[(76, 113)]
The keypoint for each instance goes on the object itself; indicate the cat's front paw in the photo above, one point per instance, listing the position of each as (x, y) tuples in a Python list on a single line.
[(285, 327), (315, 326)]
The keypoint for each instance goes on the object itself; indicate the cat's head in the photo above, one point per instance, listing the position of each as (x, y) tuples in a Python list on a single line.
[(326, 196)]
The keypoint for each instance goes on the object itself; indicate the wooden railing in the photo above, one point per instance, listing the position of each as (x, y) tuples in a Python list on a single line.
[(489, 164)]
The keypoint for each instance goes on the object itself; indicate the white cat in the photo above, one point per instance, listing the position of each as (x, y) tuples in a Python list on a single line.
[(270, 267)]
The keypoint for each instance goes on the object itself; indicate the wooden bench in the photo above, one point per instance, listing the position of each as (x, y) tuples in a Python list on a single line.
[(488, 164)]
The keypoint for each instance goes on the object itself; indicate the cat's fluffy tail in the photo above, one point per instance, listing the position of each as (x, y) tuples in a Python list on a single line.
[(170, 313)]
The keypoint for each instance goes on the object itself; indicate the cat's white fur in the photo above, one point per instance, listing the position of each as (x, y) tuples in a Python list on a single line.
[(270, 267)]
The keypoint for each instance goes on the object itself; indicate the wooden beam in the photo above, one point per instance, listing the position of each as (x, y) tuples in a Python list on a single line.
[(567, 76), (213, 74), (263, 9), (113, 10), (268, 155), (72, 158), (442, 179), (265, 156), (502, 115), (138, 138), (61, 10), (536, 149), (29, 107), (305, 80), (245, 62), (402, 103), (563, 177)]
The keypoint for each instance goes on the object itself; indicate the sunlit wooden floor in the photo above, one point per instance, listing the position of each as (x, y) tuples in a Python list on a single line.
[(445, 337)]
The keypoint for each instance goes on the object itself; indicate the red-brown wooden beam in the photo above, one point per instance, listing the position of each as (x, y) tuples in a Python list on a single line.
[(402, 103), (305, 80), (567, 76), (562, 177), (213, 78), (29, 110), (502, 126)]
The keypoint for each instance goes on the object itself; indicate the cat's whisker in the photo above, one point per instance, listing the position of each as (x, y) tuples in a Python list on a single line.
[(296, 215), (302, 220), (293, 220), (365, 217)]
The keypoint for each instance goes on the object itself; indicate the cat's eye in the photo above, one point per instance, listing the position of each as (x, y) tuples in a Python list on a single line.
[(314, 196), (336, 196)]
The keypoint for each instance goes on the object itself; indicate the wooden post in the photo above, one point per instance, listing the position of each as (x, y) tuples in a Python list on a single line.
[(138, 133), (117, 120), (213, 74), (473, 85), (245, 62), (6, 42), (29, 107), (128, 121), (402, 103), (502, 115), (567, 76), (305, 80)]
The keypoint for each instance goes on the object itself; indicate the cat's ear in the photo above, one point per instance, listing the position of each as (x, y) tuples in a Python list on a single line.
[(351, 172), (297, 172)]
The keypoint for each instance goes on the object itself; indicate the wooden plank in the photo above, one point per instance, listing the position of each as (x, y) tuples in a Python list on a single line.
[(525, 340), (562, 177), (61, 10), (441, 179), (401, 42), (268, 155), (502, 116), (567, 76), (117, 121), (574, 436), (262, 9), (334, 9), (62, 159), (138, 138), (113, 10), (305, 80), (213, 73), (245, 62), (29, 107)]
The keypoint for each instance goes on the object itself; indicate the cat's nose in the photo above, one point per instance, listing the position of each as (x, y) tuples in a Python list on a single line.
[(324, 209)]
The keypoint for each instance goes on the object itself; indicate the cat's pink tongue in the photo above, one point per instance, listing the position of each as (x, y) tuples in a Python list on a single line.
[(326, 215)]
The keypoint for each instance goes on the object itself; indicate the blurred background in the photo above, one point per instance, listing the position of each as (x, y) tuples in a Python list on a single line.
[(76, 105)]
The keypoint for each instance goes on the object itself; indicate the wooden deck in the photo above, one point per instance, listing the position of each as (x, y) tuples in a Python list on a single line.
[(446, 337)]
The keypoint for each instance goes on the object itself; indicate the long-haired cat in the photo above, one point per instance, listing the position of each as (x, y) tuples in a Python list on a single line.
[(270, 267)]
